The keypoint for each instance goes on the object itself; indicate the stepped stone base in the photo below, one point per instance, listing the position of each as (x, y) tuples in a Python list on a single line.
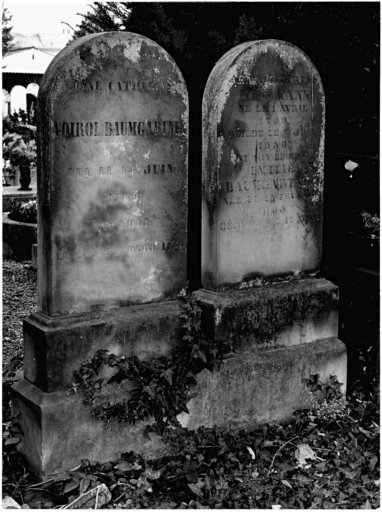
[(59, 432), (265, 386), (283, 314), (279, 335), (54, 348), (249, 389)]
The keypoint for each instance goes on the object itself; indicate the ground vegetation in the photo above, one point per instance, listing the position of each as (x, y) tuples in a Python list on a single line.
[(323, 457)]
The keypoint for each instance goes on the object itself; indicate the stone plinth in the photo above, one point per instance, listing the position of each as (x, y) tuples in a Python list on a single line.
[(263, 158), (280, 333), (112, 187), (253, 388), (55, 348), (283, 314), (59, 432)]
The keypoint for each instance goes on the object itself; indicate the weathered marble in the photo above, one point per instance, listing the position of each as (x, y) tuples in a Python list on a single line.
[(112, 175), (263, 160)]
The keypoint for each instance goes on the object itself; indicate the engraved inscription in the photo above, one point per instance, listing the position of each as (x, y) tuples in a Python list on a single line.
[(278, 109), (123, 85), (117, 128)]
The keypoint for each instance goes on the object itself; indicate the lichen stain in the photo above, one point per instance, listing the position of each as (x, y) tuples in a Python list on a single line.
[(239, 68), (132, 51), (265, 313)]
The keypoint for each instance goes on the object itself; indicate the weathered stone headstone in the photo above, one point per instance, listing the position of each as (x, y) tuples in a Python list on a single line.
[(263, 158), (112, 210), (263, 163), (113, 114)]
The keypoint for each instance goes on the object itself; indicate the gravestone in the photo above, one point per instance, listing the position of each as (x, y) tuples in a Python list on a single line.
[(113, 187), (263, 165), (263, 158), (112, 206)]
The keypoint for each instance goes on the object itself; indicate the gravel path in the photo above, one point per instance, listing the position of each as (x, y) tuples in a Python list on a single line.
[(19, 301)]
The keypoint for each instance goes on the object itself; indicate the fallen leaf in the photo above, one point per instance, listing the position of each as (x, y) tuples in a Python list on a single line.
[(124, 466), (373, 462), (70, 486), (284, 466), (197, 488), (151, 475), (363, 431), (285, 482), (304, 452), (252, 453)]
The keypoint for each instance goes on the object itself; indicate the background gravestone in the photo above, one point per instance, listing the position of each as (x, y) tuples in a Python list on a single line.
[(112, 190), (263, 158)]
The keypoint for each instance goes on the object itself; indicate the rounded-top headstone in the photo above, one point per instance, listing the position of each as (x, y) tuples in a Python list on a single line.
[(263, 159), (112, 175)]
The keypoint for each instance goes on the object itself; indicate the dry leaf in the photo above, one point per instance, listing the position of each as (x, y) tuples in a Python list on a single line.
[(304, 452), (285, 482), (252, 453)]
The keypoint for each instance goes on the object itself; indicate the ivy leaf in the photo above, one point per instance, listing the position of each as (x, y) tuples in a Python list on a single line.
[(168, 375), (285, 482), (192, 376), (84, 484), (70, 486), (195, 350), (285, 467), (124, 466), (364, 432), (196, 488), (149, 390), (201, 355), (373, 462), (151, 475)]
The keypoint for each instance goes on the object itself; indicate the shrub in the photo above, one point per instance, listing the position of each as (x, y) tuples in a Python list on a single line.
[(18, 152), (24, 212)]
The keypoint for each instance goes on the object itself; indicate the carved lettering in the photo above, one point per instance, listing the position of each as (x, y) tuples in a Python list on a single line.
[(117, 128)]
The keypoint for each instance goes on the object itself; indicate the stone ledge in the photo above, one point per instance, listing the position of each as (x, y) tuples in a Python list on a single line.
[(283, 314), (55, 347), (18, 238), (264, 386)]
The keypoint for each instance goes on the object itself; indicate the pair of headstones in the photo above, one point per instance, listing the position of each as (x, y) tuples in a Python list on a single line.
[(113, 152), (112, 232)]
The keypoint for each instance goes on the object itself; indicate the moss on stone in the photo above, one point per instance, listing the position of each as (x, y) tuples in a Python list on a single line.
[(266, 312)]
